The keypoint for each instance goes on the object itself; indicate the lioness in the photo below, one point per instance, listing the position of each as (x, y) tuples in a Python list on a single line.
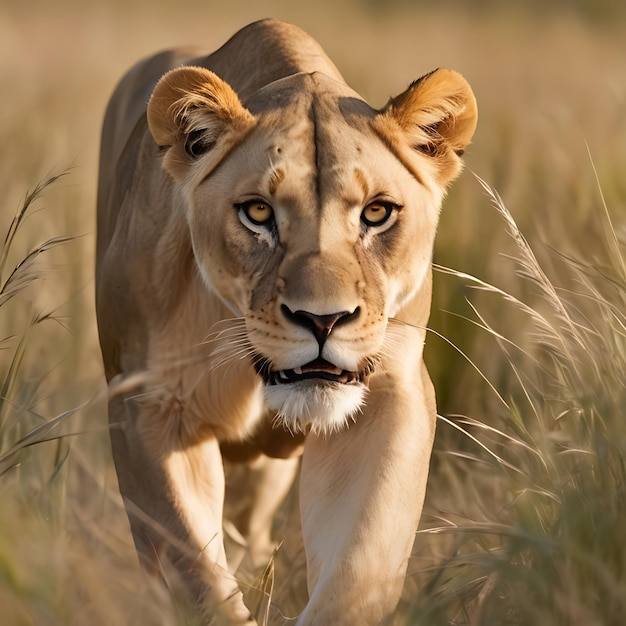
[(263, 286)]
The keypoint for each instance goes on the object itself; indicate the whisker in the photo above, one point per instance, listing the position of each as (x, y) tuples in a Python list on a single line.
[(233, 326), (237, 355), (229, 347), (225, 334)]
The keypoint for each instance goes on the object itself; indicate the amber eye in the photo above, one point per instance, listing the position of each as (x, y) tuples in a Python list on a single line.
[(259, 213), (376, 213)]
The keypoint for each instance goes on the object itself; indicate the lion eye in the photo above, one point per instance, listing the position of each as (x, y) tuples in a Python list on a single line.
[(376, 213), (259, 213)]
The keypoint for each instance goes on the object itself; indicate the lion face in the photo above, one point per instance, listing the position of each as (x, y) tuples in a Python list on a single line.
[(312, 216)]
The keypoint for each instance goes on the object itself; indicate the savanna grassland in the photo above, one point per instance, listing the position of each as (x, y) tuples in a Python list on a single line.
[(525, 515)]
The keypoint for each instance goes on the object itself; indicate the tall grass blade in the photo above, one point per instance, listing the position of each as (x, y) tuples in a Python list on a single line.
[(40, 434), (20, 216)]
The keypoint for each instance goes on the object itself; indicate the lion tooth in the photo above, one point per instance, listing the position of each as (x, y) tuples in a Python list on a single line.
[(298, 371), (283, 375)]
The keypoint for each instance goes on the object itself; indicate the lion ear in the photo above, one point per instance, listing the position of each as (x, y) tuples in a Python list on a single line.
[(192, 109), (438, 115)]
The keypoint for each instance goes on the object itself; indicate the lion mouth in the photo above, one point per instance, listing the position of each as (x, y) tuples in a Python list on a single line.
[(317, 369)]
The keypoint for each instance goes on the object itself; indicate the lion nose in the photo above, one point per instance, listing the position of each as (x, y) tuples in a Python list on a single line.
[(320, 325)]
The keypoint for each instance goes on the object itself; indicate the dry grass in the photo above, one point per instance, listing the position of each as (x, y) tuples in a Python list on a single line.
[(524, 514)]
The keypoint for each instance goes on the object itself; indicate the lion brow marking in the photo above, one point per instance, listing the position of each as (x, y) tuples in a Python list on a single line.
[(361, 179), (277, 176)]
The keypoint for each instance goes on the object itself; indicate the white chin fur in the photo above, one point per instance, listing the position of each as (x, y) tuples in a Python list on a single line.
[(322, 406)]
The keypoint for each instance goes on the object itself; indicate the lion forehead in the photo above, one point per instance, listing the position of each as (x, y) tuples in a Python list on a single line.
[(304, 109), (314, 135)]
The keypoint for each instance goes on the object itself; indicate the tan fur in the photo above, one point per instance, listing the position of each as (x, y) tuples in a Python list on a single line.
[(201, 309)]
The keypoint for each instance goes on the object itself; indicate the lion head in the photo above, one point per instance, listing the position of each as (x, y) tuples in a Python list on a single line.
[(312, 217)]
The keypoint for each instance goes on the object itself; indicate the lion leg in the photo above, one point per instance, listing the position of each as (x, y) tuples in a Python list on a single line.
[(254, 493), (361, 495), (173, 495)]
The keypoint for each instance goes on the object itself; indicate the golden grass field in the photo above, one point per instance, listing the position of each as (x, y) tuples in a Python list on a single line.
[(526, 509)]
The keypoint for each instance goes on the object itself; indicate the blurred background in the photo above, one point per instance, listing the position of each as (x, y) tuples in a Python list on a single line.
[(525, 506)]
